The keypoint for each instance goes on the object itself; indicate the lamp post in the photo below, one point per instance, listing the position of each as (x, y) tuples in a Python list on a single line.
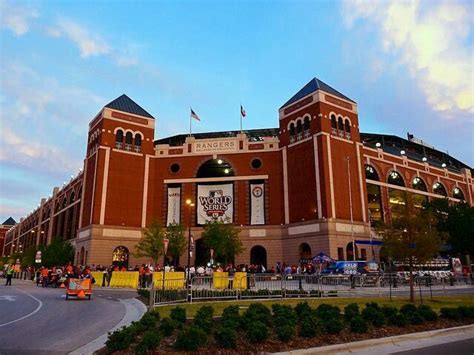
[(188, 275), (166, 242)]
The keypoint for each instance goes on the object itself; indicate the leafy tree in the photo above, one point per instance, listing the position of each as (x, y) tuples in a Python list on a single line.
[(413, 237), (223, 238), (178, 242), (459, 224), (151, 243), (59, 252)]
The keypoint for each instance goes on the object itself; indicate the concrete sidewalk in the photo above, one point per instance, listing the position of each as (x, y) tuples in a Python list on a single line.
[(394, 344)]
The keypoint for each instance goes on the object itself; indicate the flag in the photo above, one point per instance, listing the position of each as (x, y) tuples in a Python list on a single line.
[(242, 111), (194, 115)]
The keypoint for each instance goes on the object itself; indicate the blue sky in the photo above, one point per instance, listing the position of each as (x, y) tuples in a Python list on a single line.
[(409, 65)]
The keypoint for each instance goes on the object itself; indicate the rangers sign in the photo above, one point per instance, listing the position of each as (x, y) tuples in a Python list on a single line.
[(257, 204), (215, 202)]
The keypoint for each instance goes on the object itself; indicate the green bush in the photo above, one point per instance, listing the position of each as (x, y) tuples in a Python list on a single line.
[(373, 305), (451, 313), (427, 313), (374, 316), (326, 311), (284, 315), (230, 317), (144, 292), (359, 325), (302, 309), (333, 325), (226, 337), (257, 312), (203, 318), (190, 339), (399, 320), (136, 328), (466, 312), (120, 339), (167, 326), (408, 308), (351, 311), (310, 326), (178, 314), (415, 318), (257, 332), (285, 332), (149, 319), (151, 340), (389, 311)]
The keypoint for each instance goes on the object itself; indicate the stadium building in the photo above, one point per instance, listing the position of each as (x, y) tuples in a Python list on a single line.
[(312, 184)]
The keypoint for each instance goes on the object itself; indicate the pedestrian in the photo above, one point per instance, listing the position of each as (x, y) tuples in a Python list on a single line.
[(45, 276), (9, 275)]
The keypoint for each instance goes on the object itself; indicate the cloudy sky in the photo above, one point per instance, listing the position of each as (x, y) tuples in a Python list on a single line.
[(409, 65)]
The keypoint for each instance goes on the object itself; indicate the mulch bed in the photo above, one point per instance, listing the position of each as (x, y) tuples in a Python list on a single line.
[(273, 344)]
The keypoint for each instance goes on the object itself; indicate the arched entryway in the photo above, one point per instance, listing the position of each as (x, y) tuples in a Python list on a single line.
[(258, 256), (202, 257), (349, 252), (305, 251), (120, 256), (81, 257)]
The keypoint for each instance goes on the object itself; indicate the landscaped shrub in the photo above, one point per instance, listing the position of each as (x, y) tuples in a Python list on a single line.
[(398, 319), (226, 337), (120, 339), (411, 313), (358, 325), (286, 332), (190, 339), (427, 313), (301, 309), (373, 305), (284, 315), (351, 311), (389, 311), (144, 292), (326, 311), (167, 326), (203, 318), (231, 317), (257, 312), (451, 313), (466, 312), (151, 339), (333, 325), (136, 328), (408, 308), (310, 325), (374, 316), (257, 332), (178, 314), (149, 319)]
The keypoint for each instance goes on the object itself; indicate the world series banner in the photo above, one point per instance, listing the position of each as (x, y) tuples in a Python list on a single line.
[(257, 204), (215, 202), (174, 198)]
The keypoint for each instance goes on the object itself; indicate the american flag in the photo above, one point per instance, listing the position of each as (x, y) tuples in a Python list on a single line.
[(242, 111), (194, 115)]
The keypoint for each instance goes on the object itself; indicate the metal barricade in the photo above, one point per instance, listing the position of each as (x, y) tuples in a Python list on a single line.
[(210, 287), (264, 286), (302, 285)]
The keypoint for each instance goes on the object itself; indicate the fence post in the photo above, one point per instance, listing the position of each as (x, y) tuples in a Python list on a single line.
[(152, 296)]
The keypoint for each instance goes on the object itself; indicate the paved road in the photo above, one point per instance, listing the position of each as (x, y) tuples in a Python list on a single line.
[(34, 320), (462, 347)]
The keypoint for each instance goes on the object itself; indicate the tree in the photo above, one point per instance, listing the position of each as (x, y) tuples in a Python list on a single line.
[(59, 252), (413, 237), (178, 243), (151, 243), (459, 224), (224, 239)]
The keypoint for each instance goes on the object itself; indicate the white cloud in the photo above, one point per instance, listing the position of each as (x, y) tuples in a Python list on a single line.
[(432, 41), (16, 18)]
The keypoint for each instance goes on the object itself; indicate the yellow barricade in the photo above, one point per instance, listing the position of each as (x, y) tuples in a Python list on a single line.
[(173, 280), (124, 279), (240, 281), (98, 276), (220, 279)]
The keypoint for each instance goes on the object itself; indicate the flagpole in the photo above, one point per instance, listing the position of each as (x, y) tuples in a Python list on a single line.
[(190, 120)]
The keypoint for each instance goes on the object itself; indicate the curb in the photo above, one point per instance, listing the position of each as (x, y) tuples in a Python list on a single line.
[(392, 344), (134, 310)]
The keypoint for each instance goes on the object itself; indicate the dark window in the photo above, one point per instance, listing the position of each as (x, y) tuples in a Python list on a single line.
[(371, 173), (395, 178), (348, 126), (439, 189), (215, 168), (340, 124), (71, 198), (374, 199), (128, 138), (175, 168), (299, 127), (419, 184), (457, 193), (397, 202), (256, 163), (138, 140), (340, 253), (333, 122), (119, 136), (292, 129), (306, 123)]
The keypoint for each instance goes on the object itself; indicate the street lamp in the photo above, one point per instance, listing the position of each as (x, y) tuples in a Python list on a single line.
[(190, 204)]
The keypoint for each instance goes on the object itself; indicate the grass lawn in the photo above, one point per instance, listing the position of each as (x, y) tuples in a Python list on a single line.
[(436, 304)]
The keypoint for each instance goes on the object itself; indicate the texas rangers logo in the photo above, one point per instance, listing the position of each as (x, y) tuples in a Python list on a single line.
[(257, 191), (216, 204)]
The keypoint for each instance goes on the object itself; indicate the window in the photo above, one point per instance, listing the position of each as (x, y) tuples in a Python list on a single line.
[(306, 123), (340, 124), (138, 140), (371, 173), (299, 127), (175, 168), (374, 199), (333, 122), (71, 198), (256, 163), (347, 128), (457, 193), (340, 253), (292, 129), (395, 178), (439, 189), (119, 139), (397, 202), (128, 141), (419, 184)]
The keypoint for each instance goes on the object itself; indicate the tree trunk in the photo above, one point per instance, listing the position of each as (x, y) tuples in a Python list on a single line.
[(412, 289)]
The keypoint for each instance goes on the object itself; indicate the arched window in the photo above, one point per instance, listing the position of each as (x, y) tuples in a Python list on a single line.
[(299, 127), (347, 128), (333, 123), (439, 189), (128, 141), (120, 256), (306, 123), (419, 184), (371, 173), (305, 251), (119, 139), (457, 193), (292, 132), (395, 178), (215, 168), (340, 124), (71, 198), (258, 256), (138, 143), (64, 204)]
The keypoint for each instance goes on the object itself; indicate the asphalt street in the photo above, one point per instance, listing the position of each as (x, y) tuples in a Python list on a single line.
[(36, 320), (462, 347)]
